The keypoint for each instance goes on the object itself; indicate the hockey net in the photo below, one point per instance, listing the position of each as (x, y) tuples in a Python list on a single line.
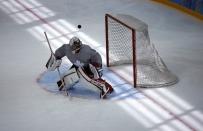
[(128, 42)]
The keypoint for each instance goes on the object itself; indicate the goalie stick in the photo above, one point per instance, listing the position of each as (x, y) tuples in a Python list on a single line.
[(62, 85)]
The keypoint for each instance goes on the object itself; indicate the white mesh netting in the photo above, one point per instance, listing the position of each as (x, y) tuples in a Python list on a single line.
[(150, 68)]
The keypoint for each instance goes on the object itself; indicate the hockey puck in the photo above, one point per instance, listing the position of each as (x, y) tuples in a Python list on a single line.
[(79, 26)]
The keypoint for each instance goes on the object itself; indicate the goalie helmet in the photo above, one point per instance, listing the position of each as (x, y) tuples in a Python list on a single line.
[(75, 44)]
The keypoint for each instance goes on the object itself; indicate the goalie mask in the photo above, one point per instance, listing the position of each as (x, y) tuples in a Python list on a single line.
[(75, 44)]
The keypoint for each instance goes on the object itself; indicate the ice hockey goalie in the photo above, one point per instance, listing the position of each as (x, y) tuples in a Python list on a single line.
[(86, 68)]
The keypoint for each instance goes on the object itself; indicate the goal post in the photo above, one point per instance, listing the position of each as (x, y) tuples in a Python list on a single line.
[(133, 42), (128, 42)]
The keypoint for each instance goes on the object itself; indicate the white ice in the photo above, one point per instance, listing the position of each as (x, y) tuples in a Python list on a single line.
[(26, 106)]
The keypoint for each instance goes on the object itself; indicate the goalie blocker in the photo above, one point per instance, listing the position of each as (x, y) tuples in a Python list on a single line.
[(95, 83)]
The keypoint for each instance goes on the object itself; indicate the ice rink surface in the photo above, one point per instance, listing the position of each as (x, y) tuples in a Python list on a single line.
[(26, 106)]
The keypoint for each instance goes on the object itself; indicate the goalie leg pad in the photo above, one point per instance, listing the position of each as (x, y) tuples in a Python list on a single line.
[(88, 82), (70, 78), (94, 71), (97, 85)]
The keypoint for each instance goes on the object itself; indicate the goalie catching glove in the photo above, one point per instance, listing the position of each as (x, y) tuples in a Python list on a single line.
[(53, 63)]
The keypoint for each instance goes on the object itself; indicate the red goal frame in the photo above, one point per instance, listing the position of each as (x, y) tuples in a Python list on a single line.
[(133, 32)]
